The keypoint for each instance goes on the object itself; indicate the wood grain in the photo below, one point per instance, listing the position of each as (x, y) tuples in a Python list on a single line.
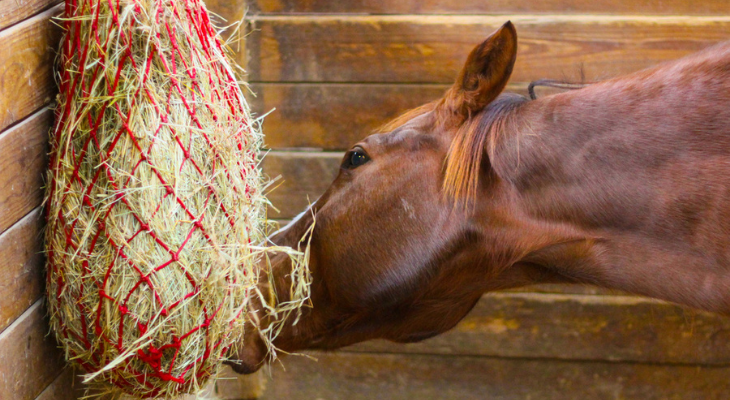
[(30, 358), (350, 376), (23, 162), (232, 386), (579, 327), (332, 116), (228, 13), (27, 51), (432, 49), (21, 267), (65, 387), (650, 7), (231, 10), (13, 11), (304, 177)]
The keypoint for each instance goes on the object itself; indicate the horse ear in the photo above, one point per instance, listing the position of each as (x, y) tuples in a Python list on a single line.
[(486, 72)]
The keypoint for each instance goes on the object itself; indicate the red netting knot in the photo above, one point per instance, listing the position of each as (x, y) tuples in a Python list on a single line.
[(153, 357)]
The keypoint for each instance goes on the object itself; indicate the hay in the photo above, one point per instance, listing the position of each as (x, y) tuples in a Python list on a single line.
[(154, 203)]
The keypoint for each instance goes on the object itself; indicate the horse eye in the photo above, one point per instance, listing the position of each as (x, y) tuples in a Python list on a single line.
[(355, 159)]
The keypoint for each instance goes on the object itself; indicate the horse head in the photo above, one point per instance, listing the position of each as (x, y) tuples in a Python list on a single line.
[(396, 252)]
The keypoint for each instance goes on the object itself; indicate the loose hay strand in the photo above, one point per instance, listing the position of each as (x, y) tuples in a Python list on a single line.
[(155, 201)]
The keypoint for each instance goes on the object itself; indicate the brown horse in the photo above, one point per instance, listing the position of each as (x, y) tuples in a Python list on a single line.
[(624, 184)]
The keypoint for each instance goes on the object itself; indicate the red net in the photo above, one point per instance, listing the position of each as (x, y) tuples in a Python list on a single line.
[(153, 197)]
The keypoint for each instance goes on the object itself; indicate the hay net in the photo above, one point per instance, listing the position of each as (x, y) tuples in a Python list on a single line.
[(154, 201)]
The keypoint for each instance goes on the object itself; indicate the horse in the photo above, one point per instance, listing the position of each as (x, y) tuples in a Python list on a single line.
[(623, 184)]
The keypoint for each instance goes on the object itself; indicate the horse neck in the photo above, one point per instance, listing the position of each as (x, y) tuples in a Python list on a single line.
[(583, 172)]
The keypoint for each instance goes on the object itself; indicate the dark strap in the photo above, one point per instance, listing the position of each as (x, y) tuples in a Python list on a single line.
[(553, 84)]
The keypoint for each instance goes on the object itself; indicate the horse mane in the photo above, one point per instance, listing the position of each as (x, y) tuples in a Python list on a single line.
[(465, 155), (474, 137)]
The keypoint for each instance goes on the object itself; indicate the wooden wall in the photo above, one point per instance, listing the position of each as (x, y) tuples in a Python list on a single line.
[(334, 70), (29, 361)]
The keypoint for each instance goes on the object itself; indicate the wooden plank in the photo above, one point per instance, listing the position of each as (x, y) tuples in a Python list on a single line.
[(568, 289), (13, 11), (230, 10), (65, 387), (332, 116), (27, 52), (28, 355), (305, 176), (21, 267), (232, 386), (424, 377), (432, 49), (23, 162), (651, 7), (579, 327), (228, 13)]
